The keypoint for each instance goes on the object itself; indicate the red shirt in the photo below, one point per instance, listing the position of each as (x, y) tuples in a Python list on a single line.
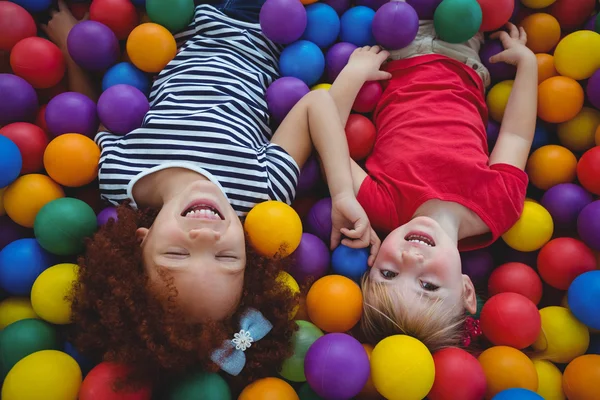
[(431, 144)]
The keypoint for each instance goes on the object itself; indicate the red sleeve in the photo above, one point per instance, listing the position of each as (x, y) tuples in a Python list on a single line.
[(379, 206)]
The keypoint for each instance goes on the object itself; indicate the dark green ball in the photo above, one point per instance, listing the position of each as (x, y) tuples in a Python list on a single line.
[(306, 393), (199, 385), (457, 21), (175, 15), (597, 24), (293, 368), (61, 226)]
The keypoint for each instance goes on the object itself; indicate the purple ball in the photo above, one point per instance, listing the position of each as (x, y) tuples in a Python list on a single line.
[(588, 225), (310, 260), (309, 176), (590, 25), (336, 59), (425, 8), (72, 112), (340, 6), (18, 100), (493, 130), (283, 21), (516, 11), (478, 264), (337, 366), (564, 202), (122, 108), (93, 46), (499, 71), (105, 215), (373, 4), (395, 25), (11, 231), (593, 89), (283, 94), (318, 220)]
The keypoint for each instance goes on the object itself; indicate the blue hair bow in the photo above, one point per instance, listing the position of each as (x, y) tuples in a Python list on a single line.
[(230, 357)]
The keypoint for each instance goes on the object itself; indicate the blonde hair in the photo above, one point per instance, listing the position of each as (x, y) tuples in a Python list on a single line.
[(388, 312)]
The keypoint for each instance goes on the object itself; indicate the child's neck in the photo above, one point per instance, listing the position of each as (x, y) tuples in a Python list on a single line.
[(156, 189), (448, 214)]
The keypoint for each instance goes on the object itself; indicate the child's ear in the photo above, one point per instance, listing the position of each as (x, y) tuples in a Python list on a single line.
[(140, 234), (469, 296)]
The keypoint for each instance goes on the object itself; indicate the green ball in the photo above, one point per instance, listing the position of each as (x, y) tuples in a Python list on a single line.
[(306, 393), (199, 385), (175, 15), (597, 24), (457, 21), (25, 337), (61, 226), (293, 368)]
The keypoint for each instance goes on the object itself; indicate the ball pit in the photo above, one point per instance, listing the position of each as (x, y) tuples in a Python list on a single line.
[(119, 15), (93, 46), (49, 294), (71, 112), (517, 394), (349, 262), (72, 160), (20, 100), (322, 25), (583, 296), (11, 161), (15, 24), (100, 381), (516, 278), (334, 303), (360, 134), (293, 368), (497, 98), (498, 71), (560, 99), (337, 57), (312, 66), (546, 69), (31, 141), (267, 389), (356, 26), (21, 262), (395, 25), (150, 47), (565, 202), (39, 61), (588, 169), (551, 165), (507, 368), (127, 74), (368, 97), (543, 32), (578, 377), (197, 384), (14, 309), (578, 133), (550, 380), (588, 227), (122, 108), (290, 11), (532, 231), (564, 259), (310, 260), (175, 15), (458, 375), (457, 21), (283, 94)]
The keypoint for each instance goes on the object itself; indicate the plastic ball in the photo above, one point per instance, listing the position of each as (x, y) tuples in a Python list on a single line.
[(303, 60), (334, 303), (268, 389), (10, 230), (593, 89), (21, 262), (536, 4), (497, 99), (100, 381), (72, 160), (425, 8), (499, 71), (551, 165), (495, 13), (318, 220), (457, 21), (563, 338), (292, 368), (546, 69), (576, 56), (588, 225), (34, 6), (19, 100), (588, 170), (562, 260), (517, 394), (594, 347), (310, 176), (559, 99), (337, 57), (283, 94), (477, 265), (49, 295), (273, 12), (106, 215), (310, 260), (516, 278), (581, 377), (72, 112), (598, 136), (273, 228), (356, 26), (564, 202), (15, 309), (578, 133), (572, 13), (360, 133), (340, 6), (349, 262), (306, 393), (31, 142), (321, 86), (40, 119), (541, 137), (151, 47), (199, 385), (127, 74), (368, 96), (458, 375), (533, 229), (584, 297), (175, 15), (550, 380), (93, 46), (395, 25), (506, 368), (84, 363), (39, 61), (11, 161), (323, 25), (407, 354), (543, 32), (16, 24), (119, 15), (122, 108)]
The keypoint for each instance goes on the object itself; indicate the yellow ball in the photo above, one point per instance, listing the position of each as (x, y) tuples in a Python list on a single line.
[(537, 4), (325, 86), (578, 133), (577, 55), (532, 231), (273, 229), (44, 375), (549, 380), (2, 210), (50, 291), (497, 99), (287, 280), (15, 309), (563, 338), (402, 368)]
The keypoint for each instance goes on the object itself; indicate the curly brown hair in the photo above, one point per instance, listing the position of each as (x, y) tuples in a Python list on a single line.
[(117, 317)]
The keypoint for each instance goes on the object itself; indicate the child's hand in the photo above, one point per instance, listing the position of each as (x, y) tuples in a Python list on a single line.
[(514, 42), (349, 219), (60, 24), (366, 61)]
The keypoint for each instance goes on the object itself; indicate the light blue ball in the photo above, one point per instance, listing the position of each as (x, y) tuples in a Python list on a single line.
[(303, 60), (126, 74), (21, 262), (34, 6), (356, 26), (517, 394), (10, 161), (584, 298), (323, 25), (349, 262)]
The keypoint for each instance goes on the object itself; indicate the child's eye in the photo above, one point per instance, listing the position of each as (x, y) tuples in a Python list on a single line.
[(388, 274), (430, 287)]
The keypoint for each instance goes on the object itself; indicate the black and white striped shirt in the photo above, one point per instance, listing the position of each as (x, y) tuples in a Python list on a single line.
[(208, 113)]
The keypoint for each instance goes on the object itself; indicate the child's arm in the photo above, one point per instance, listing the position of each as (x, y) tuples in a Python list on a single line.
[(518, 125)]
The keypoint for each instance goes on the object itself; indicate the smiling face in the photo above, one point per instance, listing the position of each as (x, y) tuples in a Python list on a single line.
[(198, 240)]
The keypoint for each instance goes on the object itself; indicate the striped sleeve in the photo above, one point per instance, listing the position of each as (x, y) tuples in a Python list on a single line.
[(106, 139), (283, 174)]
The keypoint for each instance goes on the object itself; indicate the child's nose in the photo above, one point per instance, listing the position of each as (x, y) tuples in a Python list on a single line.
[(410, 258), (205, 234)]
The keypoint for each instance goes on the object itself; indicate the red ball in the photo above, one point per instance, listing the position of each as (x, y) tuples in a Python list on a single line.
[(98, 384), (360, 133), (45, 95), (458, 375), (39, 61), (31, 141), (40, 119), (302, 205), (588, 170), (516, 277), (510, 319), (496, 13), (119, 15), (367, 97), (572, 14), (79, 10), (16, 24), (562, 260)]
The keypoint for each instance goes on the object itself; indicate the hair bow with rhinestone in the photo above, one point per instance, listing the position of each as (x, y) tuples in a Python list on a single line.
[(230, 356)]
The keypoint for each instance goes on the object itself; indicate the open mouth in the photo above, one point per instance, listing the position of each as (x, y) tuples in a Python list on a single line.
[(202, 211), (420, 238)]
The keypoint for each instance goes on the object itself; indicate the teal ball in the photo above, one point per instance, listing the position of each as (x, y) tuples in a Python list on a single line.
[(199, 385), (457, 21), (306, 393), (292, 368)]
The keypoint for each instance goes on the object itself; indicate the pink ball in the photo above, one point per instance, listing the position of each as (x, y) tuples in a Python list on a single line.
[(516, 277), (368, 97)]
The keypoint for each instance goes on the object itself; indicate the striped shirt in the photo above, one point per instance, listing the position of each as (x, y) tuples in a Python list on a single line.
[(208, 113)]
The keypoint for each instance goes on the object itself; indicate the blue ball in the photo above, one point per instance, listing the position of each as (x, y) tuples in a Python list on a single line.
[(356, 26), (323, 25), (584, 298), (10, 161), (594, 347), (21, 262), (34, 6), (303, 60), (517, 394), (349, 262), (85, 364), (542, 136), (139, 2), (127, 74)]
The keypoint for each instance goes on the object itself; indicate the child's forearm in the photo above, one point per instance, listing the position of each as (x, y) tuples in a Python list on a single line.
[(344, 91), (79, 80)]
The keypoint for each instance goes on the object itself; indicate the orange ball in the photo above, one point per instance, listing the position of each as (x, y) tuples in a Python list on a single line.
[(334, 303), (598, 136), (559, 99), (550, 165), (543, 32), (506, 368), (307, 2), (151, 47), (368, 392), (581, 377), (72, 160), (269, 389), (546, 68)]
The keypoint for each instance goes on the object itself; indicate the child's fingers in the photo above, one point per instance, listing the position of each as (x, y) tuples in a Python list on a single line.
[(360, 243), (351, 233), (336, 236), (512, 30), (522, 35), (86, 16), (382, 76), (62, 5)]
